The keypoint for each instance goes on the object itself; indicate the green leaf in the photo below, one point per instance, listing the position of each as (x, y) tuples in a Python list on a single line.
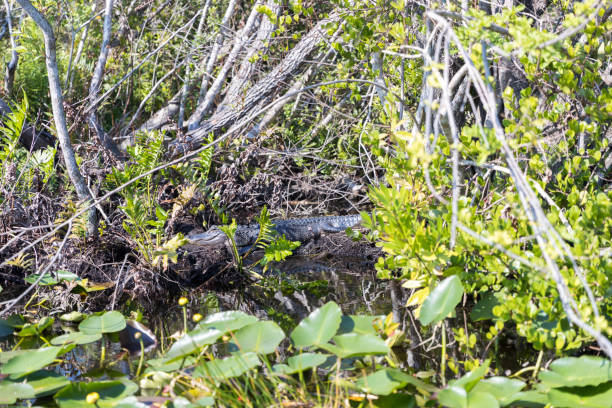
[(193, 342), (10, 392), (319, 327), (441, 301), (300, 362), (453, 397), (229, 367), (227, 321), (73, 396), (355, 344), (73, 317), (76, 338), (30, 361), (260, 337), (469, 380), (358, 324), (599, 396), (481, 400), (577, 371), (43, 382), (483, 310), (384, 382), (502, 388), (35, 329), (109, 322)]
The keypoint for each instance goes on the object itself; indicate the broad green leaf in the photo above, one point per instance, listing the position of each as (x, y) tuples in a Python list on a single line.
[(73, 396), (358, 324), (469, 380), (483, 310), (441, 301), (383, 382), (32, 360), (10, 392), (169, 364), (453, 397), (229, 367), (193, 342), (43, 382), (259, 337), (354, 344), (529, 398), (319, 327), (599, 396), (300, 362), (76, 338), (227, 321), (109, 322), (577, 371), (481, 400), (502, 388), (35, 329)]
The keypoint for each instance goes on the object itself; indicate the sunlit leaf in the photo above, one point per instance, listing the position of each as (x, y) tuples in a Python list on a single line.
[(32, 360), (300, 362), (109, 322), (259, 337), (319, 327), (73, 396), (222, 369), (442, 300)]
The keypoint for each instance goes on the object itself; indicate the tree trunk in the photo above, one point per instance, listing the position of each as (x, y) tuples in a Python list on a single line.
[(57, 102)]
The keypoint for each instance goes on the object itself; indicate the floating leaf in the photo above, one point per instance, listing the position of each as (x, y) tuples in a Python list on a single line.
[(42, 382), (319, 327), (577, 371), (358, 324), (260, 337), (222, 369), (481, 400), (193, 342), (354, 344), (10, 392), (483, 310), (599, 396), (502, 388), (109, 322), (227, 321), (76, 338), (453, 397), (73, 396), (300, 362), (36, 329), (31, 360), (442, 300)]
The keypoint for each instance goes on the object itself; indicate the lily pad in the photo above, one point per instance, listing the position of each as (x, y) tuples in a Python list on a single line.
[(441, 301), (75, 338), (319, 327), (260, 337), (30, 361), (354, 345), (358, 324), (227, 321), (222, 369), (73, 396), (43, 382), (300, 362), (599, 396), (502, 388), (108, 322), (193, 342), (577, 371), (10, 392), (35, 329)]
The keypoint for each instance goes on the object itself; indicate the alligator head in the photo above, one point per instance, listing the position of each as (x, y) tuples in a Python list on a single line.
[(213, 237)]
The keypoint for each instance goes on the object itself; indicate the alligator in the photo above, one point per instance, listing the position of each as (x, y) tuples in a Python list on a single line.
[(294, 229)]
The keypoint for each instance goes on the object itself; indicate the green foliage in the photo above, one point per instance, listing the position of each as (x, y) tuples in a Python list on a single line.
[(145, 219), (333, 357)]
